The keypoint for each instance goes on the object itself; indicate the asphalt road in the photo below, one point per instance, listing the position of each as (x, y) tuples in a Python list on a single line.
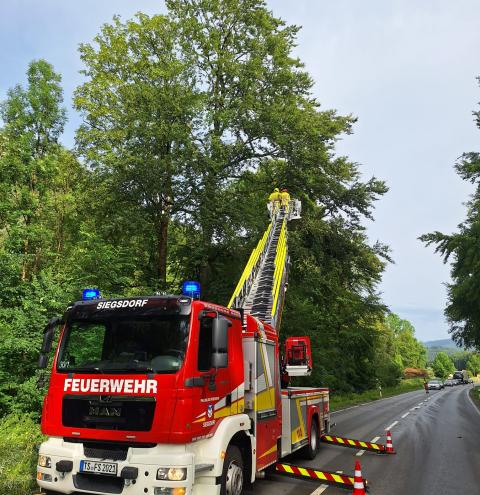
[(436, 436)]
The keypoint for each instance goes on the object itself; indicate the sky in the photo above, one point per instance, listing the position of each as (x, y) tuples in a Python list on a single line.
[(405, 68)]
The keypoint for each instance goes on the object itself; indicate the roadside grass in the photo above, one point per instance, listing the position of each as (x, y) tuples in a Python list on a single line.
[(475, 395), (341, 401)]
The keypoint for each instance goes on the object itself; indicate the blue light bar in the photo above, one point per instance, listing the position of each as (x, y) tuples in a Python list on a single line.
[(191, 288), (89, 294)]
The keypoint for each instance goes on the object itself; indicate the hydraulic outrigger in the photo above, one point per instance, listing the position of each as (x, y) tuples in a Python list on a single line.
[(310, 474)]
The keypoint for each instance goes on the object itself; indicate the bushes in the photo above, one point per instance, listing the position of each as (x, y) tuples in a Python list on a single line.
[(389, 374), (19, 439)]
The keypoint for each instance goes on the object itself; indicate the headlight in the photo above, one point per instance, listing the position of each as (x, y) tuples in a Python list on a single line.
[(172, 474), (44, 461)]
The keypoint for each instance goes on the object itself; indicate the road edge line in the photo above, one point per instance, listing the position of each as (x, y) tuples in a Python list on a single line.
[(473, 403)]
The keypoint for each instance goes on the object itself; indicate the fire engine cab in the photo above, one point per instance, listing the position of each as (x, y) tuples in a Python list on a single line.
[(174, 395)]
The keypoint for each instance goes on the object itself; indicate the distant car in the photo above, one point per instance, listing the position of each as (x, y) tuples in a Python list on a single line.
[(435, 385), (470, 380), (449, 383), (461, 375), (457, 381)]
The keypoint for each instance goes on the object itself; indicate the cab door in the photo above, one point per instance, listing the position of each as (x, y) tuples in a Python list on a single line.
[(214, 362)]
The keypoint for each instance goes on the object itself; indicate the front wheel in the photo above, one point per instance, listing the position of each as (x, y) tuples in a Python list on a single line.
[(232, 475), (311, 450)]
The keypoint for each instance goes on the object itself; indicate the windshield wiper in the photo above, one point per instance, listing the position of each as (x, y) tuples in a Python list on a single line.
[(147, 369), (136, 366)]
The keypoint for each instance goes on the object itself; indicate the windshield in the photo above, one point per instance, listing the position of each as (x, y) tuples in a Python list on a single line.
[(154, 344)]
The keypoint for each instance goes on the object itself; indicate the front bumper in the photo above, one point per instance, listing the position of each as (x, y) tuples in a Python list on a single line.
[(146, 460)]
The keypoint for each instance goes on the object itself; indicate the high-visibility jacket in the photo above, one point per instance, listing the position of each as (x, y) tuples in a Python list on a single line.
[(285, 198), (275, 196)]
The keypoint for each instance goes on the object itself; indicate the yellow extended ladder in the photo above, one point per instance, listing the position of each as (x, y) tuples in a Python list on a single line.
[(261, 288)]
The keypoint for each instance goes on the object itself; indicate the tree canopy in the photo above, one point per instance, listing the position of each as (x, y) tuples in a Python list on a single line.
[(443, 365)]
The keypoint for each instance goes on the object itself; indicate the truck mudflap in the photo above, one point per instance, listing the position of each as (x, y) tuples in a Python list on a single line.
[(310, 474)]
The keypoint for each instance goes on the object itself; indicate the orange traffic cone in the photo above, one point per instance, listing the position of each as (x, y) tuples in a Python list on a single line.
[(358, 486), (389, 443)]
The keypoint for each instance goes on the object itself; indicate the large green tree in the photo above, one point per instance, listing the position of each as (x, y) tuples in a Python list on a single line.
[(250, 83), (463, 308), (442, 365), (38, 178), (138, 105), (473, 364), (409, 352), (30, 158)]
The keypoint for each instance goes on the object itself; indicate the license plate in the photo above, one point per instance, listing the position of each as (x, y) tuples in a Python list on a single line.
[(98, 467)]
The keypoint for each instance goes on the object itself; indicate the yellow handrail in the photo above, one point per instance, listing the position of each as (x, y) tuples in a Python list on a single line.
[(252, 261), (279, 266)]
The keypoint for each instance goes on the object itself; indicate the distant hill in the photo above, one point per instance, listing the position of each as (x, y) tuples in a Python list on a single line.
[(447, 346), (448, 343)]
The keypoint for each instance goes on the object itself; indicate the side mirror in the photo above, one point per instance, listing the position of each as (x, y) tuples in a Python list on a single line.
[(220, 342), (220, 360), (48, 334), (42, 361), (47, 340)]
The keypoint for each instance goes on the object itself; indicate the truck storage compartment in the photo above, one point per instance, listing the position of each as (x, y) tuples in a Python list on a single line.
[(299, 404)]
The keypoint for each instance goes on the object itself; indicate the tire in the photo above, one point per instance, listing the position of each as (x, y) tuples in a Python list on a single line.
[(311, 450), (232, 481)]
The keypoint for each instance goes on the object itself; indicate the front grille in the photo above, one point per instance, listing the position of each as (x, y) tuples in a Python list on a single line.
[(108, 413), (105, 451), (98, 483)]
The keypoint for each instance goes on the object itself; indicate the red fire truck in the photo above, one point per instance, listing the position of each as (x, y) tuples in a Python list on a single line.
[(174, 395)]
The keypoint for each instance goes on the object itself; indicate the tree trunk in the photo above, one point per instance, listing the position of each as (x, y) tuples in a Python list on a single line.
[(162, 244)]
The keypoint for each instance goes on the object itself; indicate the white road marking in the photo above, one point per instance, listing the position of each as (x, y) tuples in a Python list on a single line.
[(392, 425), (319, 490), (361, 452), (471, 402), (405, 415)]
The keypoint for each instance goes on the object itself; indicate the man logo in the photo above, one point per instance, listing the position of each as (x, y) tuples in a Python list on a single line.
[(210, 411), (105, 411)]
